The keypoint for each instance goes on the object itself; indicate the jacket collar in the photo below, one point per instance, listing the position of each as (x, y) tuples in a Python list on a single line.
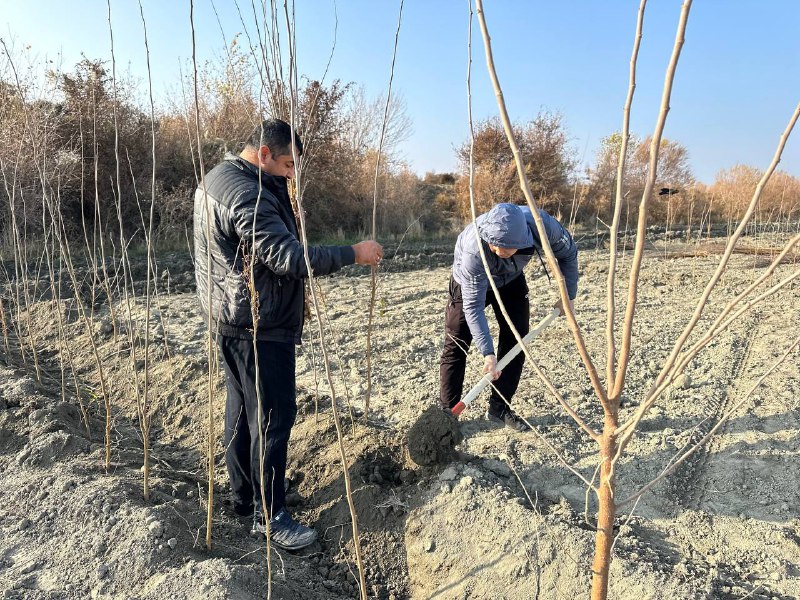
[(249, 167)]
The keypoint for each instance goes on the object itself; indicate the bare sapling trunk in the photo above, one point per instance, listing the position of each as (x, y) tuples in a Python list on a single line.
[(15, 235), (248, 269), (55, 306), (4, 329), (291, 44), (99, 233), (144, 411), (337, 354), (608, 444), (606, 511), (26, 294), (211, 438), (64, 351), (55, 298), (374, 236), (66, 345), (102, 273), (128, 294)]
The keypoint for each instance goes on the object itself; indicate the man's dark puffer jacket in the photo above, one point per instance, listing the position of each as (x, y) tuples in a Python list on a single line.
[(232, 192)]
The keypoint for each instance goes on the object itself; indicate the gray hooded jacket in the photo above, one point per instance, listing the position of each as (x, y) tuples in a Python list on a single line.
[(506, 226)]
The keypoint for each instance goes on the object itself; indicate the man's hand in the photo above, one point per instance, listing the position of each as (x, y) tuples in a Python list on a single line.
[(560, 306), (368, 252), (490, 366)]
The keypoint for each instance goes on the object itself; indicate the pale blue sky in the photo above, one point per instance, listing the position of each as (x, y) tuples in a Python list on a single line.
[(737, 83)]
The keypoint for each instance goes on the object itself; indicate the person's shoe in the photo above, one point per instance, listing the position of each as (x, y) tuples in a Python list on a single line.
[(508, 419), (259, 526), (284, 531)]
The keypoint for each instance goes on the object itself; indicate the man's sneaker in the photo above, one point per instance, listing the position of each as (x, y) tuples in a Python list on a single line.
[(259, 527), (509, 419), (284, 531)]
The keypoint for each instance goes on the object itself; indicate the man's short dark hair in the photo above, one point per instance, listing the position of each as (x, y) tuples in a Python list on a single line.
[(275, 135)]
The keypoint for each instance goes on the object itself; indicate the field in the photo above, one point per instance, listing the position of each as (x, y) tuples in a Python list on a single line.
[(505, 520)]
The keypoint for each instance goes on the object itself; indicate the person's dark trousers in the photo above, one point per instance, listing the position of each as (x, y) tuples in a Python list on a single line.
[(458, 338), (276, 362)]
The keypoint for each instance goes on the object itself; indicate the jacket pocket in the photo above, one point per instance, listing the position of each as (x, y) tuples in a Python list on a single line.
[(270, 299), (236, 301)]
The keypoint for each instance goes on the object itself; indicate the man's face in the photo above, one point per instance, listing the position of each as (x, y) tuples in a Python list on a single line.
[(503, 252), (280, 166)]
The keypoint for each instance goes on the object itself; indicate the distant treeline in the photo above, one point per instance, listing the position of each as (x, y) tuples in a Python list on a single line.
[(80, 143)]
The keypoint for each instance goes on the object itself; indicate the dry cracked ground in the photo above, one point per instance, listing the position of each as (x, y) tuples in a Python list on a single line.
[(503, 520)]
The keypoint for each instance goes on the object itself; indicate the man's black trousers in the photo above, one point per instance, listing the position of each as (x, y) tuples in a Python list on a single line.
[(276, 382), (458, 338)]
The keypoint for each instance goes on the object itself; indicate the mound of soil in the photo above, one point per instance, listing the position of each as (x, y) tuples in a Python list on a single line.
[(433, 438)]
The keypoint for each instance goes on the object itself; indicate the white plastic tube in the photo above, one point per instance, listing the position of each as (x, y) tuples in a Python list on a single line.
[(501, 364)]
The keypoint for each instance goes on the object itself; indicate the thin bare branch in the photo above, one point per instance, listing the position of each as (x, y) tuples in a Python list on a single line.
[(210, 319), (523, 179), (641, 231), (374, 270), (612, 251), (732, 241), (721, 268), (292, 37), (675, 464)]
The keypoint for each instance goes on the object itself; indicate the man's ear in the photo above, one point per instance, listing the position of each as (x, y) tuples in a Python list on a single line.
[(264, 153)]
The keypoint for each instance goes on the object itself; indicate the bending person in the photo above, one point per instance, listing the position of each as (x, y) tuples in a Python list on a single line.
[(509, 238)]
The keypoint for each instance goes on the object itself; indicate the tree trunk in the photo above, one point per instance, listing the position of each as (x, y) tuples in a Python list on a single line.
[(146, 467), (607, 510)]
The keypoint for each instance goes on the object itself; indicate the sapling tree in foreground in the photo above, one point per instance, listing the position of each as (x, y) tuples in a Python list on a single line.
[(615, 435)]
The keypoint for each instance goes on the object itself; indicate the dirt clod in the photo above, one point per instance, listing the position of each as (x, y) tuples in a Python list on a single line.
[(433, 438)]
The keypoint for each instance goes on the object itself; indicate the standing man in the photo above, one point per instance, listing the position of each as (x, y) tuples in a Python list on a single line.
[(509, 238), (245, 199)]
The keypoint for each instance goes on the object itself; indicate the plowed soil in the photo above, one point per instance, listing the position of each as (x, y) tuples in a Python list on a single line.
[(499, 518)]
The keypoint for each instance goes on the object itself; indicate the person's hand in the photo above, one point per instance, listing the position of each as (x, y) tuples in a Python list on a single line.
[(560, 306), (490, 366), (368, 252)]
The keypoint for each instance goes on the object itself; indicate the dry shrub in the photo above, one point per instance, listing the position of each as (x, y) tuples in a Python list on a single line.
[(546, 151)]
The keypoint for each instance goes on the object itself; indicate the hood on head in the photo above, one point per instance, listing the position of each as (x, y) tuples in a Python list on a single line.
[(505, 226)]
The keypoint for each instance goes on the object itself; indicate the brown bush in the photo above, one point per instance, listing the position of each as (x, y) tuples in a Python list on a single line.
[(546, 152)]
